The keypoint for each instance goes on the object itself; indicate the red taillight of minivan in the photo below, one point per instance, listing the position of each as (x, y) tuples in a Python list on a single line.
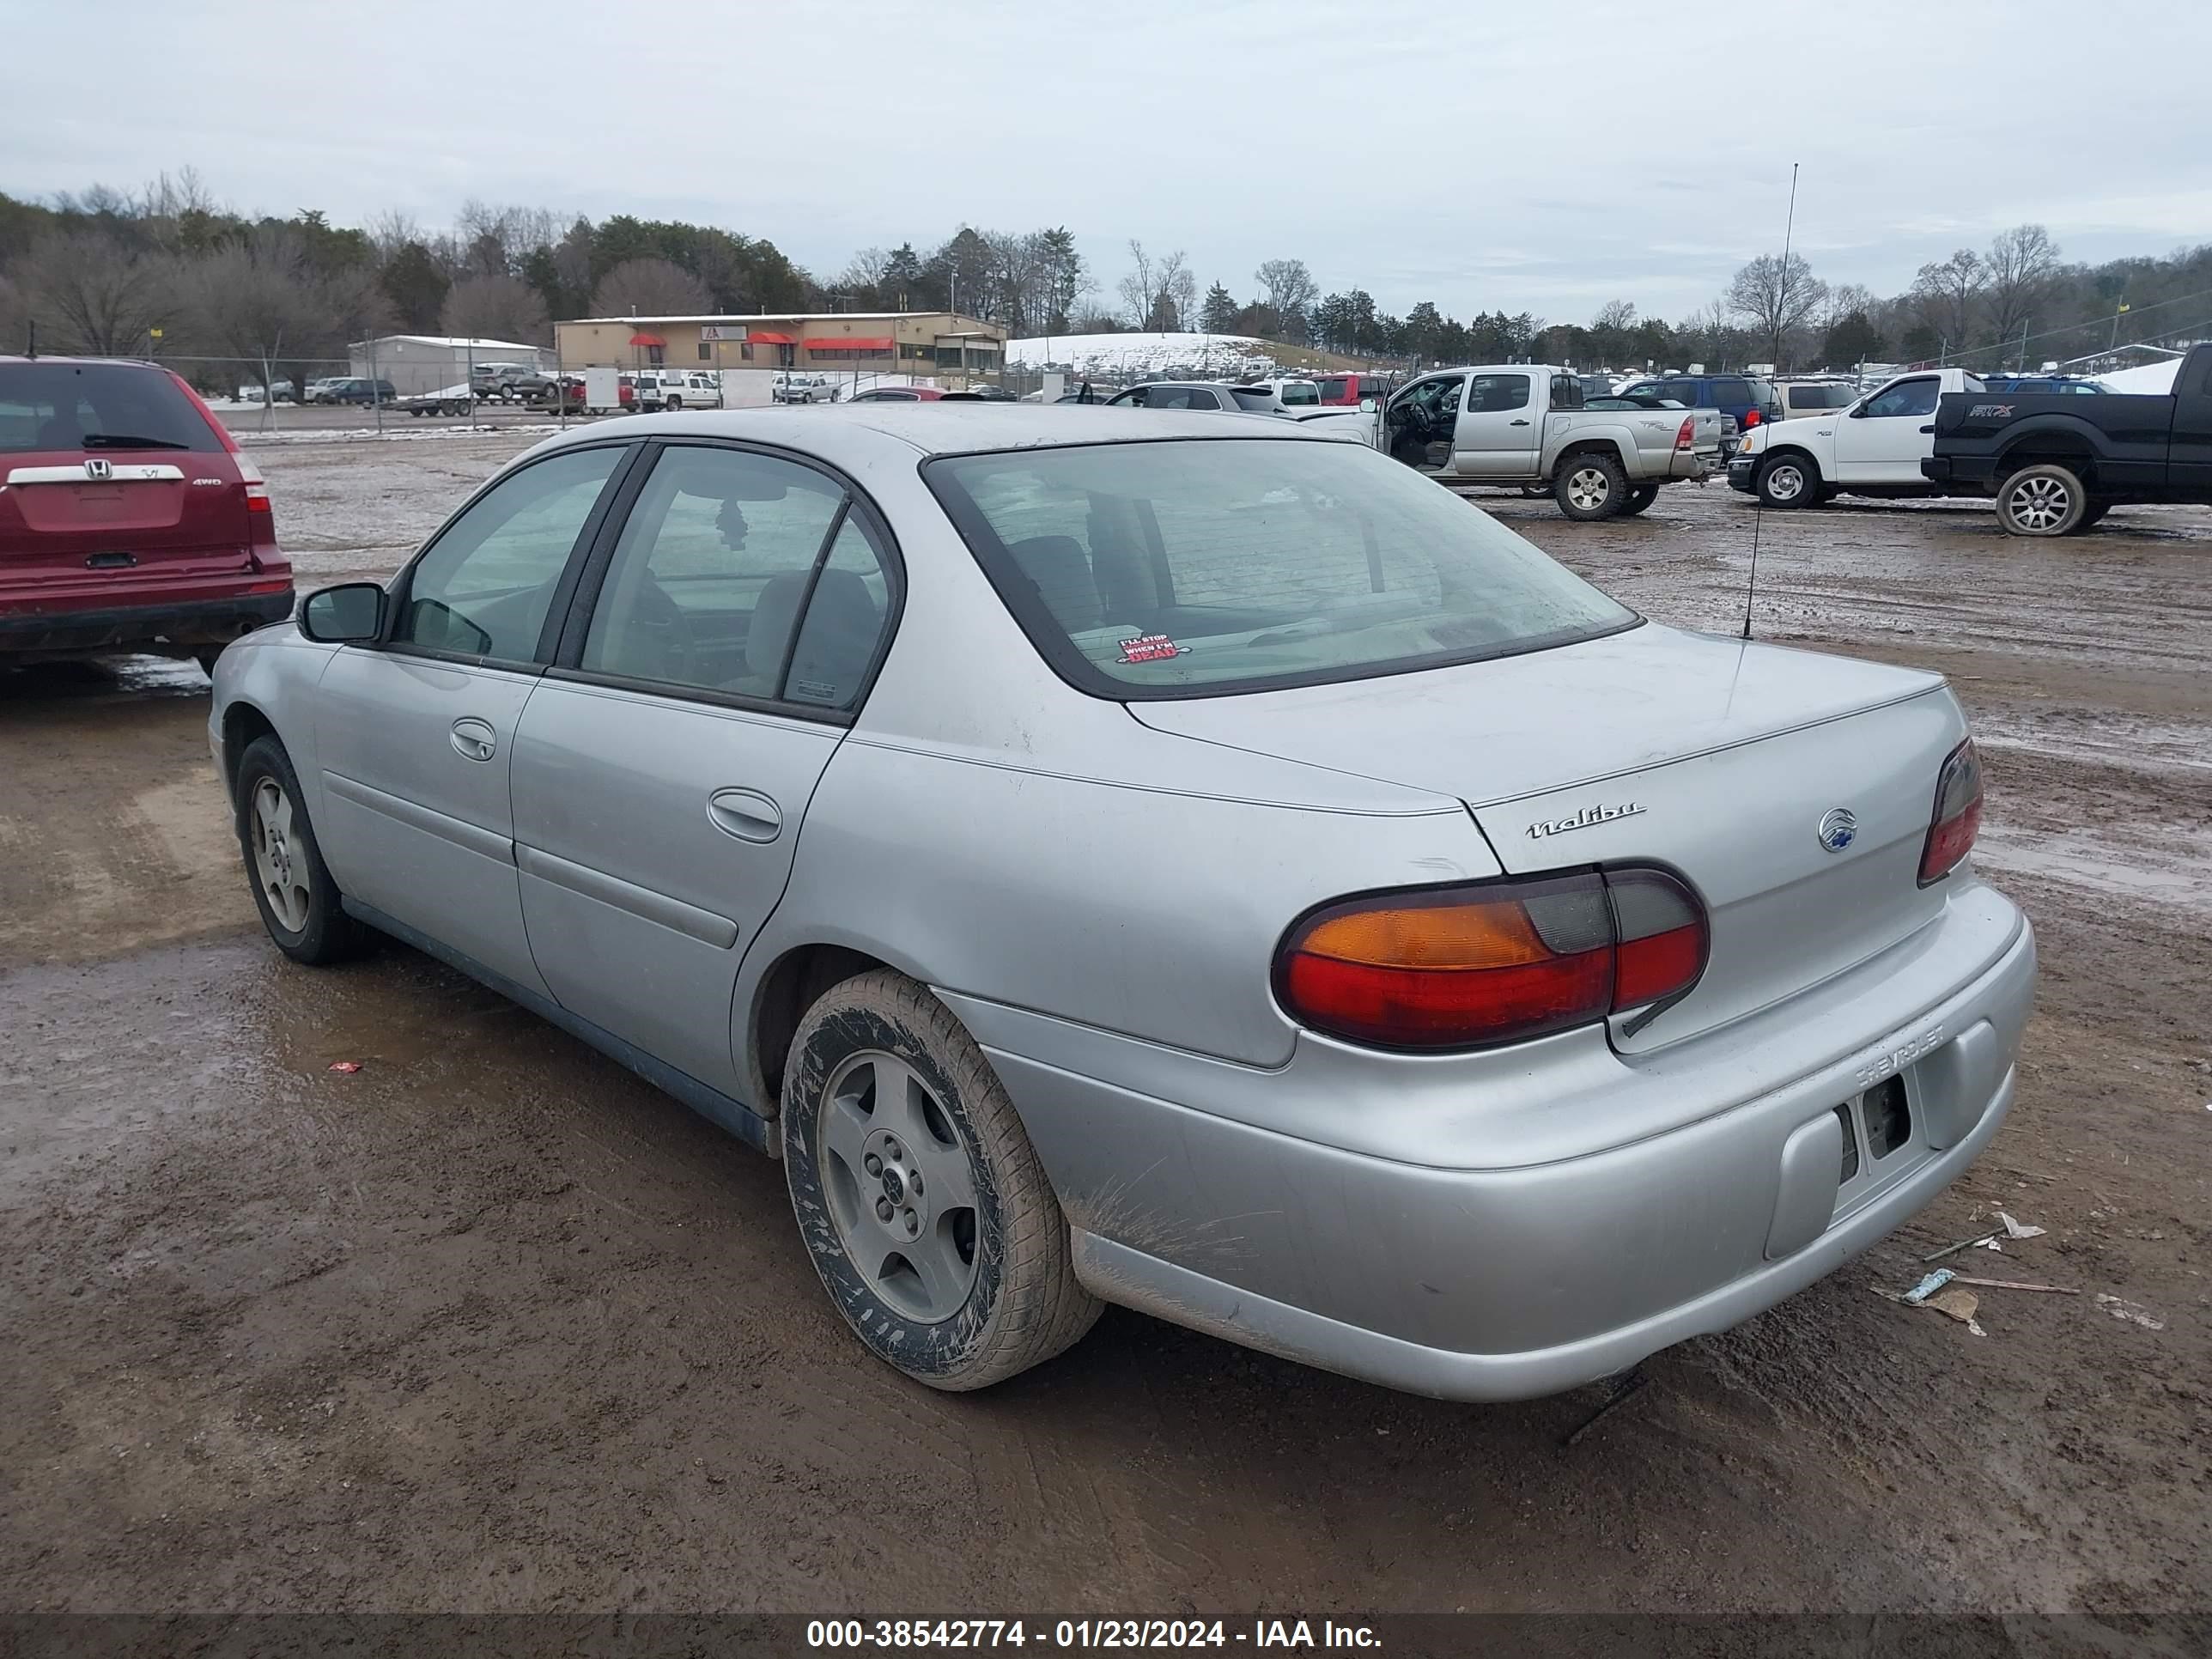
[(1957, 817), (1497, 962)]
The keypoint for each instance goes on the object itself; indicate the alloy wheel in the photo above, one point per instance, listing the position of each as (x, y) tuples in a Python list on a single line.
[(280, 863), (900, 1186), (1588, 487), (2040, 504)]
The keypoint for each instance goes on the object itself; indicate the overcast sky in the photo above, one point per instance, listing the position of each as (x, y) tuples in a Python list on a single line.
[(1526, 156)]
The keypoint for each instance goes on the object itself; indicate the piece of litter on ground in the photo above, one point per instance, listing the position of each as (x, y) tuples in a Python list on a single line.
[(2133, 1312), (1928, 1287), (2016, 1230), (1959, 1305), (1963, 1244), (349, 1067), (2015, 1284), (1990, 1244)]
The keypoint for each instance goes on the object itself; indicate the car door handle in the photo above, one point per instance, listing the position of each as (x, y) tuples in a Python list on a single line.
[(746, 814), (474, 739), (1927, 429), (1517, 423)]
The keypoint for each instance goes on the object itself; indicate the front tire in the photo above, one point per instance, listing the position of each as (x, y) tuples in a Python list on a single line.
[(918, 1195), (292, 889), (2042, 498), (1589, 487), (1786, 481)]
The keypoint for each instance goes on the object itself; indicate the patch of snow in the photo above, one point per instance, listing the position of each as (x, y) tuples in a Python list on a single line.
[(1201, 355)]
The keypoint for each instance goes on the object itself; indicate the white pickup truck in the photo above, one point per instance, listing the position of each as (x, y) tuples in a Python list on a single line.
[(1871, 446), (1525, 423), (670, 388)]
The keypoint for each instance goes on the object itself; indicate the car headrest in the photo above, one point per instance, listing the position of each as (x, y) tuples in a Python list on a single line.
[(774, 614), (1060, 571)]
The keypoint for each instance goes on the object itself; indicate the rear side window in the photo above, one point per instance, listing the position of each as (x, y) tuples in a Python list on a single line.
[(1192, 567), (61, 404), (1732, 394)]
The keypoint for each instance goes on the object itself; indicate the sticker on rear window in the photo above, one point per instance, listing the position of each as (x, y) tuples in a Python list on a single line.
[(1149, 647)]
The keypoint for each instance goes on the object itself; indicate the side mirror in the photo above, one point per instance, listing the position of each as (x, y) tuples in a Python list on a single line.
[(1368, 405), (352, 613), (1859, 411)]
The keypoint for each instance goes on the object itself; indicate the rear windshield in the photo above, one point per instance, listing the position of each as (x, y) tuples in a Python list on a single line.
[(1336, 388), (1294, 392), (1193, 568), (59, 405), (1250, 399)]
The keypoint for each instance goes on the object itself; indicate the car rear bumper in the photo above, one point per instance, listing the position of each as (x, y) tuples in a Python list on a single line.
[(183, 623), (1694, 467), (1509, 1283)]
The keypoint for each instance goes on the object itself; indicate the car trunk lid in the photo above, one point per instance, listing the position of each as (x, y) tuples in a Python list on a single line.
[(1719, 760)]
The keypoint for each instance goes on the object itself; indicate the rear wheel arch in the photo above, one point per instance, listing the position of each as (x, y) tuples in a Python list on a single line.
[(793, 983), (2071, 454), (1605, 446)]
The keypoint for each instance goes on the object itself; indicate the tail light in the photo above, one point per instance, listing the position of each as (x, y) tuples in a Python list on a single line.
[(1686, 436), (1750, 419), (260, 515), (1499, 962), (1957, 818)]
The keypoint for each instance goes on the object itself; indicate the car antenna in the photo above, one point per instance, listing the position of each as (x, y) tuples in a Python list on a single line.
[(1758, 501)]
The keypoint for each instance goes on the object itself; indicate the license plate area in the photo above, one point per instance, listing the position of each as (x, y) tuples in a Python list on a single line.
[(1880, 1137)]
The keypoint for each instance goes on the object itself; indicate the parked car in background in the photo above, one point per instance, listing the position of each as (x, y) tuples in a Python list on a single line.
[(279, 392), (1873, 446), (2058, 461), (553, 392), (1292, 392), (1803, 398), (2046, 385), (895, 394), (1369, 907), (1204, 395), (1527, 424), (498, 380), (675, 389), (983, 391), (1746, 399), (789, 388), (1347, 390), (349, 389), (129, 520), (313, 394), (1599, 386)]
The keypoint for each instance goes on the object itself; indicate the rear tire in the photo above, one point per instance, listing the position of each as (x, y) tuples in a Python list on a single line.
[(1589, 487), (960, 1283), (1786, 481), (1639, 498), (299, 901), (2043, 498)]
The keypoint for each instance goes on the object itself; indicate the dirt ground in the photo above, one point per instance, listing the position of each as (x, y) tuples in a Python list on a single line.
[(491, 1325)]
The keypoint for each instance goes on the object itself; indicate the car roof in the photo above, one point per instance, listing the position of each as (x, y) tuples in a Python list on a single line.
[(113, 362), (855, 434)]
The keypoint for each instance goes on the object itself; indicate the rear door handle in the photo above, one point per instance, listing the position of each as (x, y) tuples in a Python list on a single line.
[(474, 739), (746, 814)]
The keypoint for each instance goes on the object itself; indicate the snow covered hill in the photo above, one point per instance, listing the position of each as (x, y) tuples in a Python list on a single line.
[(1206, 354)]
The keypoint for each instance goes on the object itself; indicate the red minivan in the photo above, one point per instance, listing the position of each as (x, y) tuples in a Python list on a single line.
[(129, 521), (1344, 391)]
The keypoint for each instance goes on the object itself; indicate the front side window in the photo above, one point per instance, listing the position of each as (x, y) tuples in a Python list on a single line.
[(483, 588), (1904, 399), (712, 571), (1183, 569)]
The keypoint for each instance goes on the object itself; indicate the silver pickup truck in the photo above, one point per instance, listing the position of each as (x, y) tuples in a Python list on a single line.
[(1527, 424)]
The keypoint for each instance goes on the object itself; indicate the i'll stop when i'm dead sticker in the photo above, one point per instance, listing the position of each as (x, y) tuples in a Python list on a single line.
[(1149, 647)]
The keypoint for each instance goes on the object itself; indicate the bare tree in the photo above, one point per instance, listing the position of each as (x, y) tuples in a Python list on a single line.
[(649, 287), (1286, 287), (865, 270), (1776, 297), (1021, 277), (100, 295), (254, 298), (495, 308), (392, 230), (1161, 294), (1949, 293), (2021, 264)]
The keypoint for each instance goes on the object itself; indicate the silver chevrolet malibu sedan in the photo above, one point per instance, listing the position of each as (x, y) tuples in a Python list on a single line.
[(1167, 859)]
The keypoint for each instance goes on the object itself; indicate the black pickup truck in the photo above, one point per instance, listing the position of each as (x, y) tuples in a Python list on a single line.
[(2056, 463)]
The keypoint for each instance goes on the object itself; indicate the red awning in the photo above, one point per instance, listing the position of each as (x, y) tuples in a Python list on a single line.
[(768, 336), (646, 340), (847, 343)]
